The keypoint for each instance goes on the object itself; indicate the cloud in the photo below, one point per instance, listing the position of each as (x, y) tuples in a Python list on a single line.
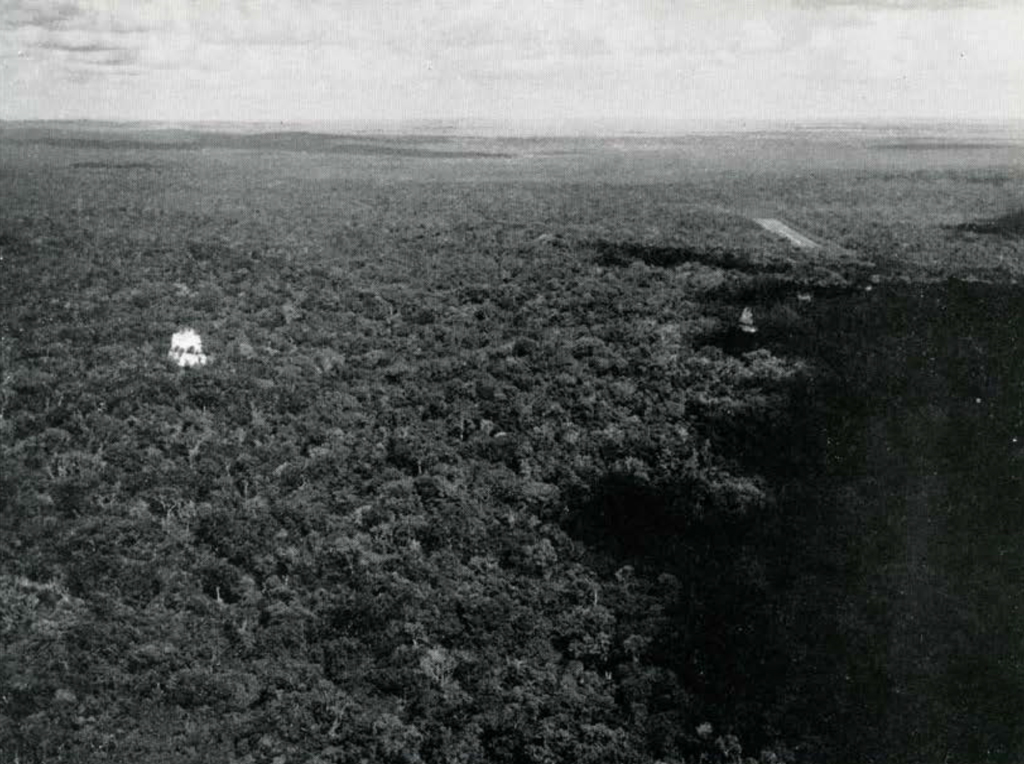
[(105, 16), (76, 41), (112, 57), (79, 47), (39, 13)]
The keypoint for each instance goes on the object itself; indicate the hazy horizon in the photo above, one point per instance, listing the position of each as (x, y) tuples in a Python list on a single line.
[(1008, 129)]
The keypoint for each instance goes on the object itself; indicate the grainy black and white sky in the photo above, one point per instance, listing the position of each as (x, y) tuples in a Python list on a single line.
[(511, 61)]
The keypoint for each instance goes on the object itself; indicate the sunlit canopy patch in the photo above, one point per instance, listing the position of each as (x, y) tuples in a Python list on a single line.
[(187, 349)]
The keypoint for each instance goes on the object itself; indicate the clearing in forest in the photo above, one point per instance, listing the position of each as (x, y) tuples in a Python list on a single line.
[(780, 228)]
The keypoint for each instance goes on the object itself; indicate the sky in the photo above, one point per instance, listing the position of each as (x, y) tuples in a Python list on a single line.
[(511, 61)]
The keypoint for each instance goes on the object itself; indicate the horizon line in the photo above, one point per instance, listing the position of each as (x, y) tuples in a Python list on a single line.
[(497, 128)]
